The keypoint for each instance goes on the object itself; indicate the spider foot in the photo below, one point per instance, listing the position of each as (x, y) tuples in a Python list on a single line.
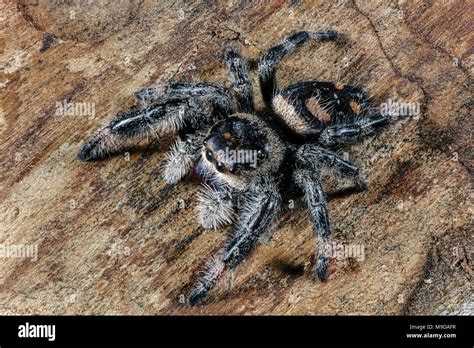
[(328, 35), (211, 275), (100, 145), (321, 268), (361, 184)]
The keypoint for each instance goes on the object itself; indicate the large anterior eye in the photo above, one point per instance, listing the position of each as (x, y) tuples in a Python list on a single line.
[(220, 167), (209, 156)]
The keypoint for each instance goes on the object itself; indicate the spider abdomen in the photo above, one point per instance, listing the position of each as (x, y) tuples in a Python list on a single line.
[(307, 108)]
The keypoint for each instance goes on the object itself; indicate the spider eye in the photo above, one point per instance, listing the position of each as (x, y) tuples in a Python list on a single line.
[(209, 156), (220, 167), (261, 155)]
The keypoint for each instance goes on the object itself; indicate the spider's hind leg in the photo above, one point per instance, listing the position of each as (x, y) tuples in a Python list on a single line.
[(269, 60), (352, 132), (315, 198)]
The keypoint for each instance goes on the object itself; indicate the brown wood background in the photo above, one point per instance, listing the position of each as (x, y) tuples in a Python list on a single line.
[(111, 235)]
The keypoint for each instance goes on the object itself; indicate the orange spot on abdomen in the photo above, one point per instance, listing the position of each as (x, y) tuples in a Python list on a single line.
[(317, 110), (354, 106)]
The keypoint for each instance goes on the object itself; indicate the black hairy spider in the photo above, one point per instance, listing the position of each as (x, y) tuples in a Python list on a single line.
[(258, 157)]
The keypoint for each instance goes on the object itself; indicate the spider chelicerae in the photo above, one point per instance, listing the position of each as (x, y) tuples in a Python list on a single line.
[(255, 157)]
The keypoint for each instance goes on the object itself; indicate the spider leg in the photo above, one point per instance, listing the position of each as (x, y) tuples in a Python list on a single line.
[(269, 60), (240, 80), (316, 201), (184, 91), (261, 206), (136, 123), (150, 94), (312, 155), (349, 133), (179, 107)]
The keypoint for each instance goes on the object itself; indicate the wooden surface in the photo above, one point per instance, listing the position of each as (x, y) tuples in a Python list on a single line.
[(112, 238)]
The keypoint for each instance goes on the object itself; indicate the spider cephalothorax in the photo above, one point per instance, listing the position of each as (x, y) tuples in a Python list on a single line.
[(250, 160), (240, 149)]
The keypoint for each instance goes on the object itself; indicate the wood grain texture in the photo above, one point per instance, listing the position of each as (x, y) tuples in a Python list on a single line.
[(114, 239)]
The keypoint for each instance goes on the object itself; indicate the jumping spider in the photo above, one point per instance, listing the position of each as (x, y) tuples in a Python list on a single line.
[(282, 147)]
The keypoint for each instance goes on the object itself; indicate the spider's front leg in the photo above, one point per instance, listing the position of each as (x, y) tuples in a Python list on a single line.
[(315, 198), (261, 205), (176, 107), (313, 156), (131, 124)]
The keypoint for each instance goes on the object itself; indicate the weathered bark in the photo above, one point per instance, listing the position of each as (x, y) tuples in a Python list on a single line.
[(111, 235)]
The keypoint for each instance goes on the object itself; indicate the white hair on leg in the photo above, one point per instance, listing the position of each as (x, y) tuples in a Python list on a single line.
[(214, 208)]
